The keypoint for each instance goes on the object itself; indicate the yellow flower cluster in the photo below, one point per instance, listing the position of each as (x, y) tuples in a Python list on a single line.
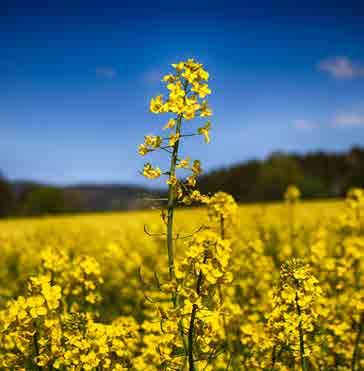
[(186, 86), (151, 143), (198, 319), (53, 326), (292, 194), (352, 219), (222, 209), (192, 325), (150, 172), (295, 309), (187, 89)]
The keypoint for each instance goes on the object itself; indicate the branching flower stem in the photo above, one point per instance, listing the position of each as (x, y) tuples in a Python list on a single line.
[(171, 205), (186, 100), (170, 214)]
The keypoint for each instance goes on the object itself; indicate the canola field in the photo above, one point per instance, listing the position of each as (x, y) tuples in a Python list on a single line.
[(219, 287), (90, 292)]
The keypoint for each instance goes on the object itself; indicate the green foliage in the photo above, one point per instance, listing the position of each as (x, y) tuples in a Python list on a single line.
[(276, 174), (6, 198), (45, 200), (313, 187), (318, 174)]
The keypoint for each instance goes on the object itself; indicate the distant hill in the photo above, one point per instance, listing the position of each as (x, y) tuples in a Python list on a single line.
[(92, 197), (114, 196)]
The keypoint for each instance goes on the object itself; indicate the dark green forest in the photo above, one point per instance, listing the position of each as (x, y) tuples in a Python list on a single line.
[(317, 174)]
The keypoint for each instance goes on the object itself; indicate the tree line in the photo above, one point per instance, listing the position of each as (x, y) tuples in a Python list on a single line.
[(317, 174)]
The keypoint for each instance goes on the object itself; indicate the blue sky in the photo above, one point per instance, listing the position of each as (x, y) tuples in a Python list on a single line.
[(76, 79)]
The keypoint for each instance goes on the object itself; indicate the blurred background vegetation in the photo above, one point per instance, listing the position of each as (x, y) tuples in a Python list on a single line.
[(318, 175)]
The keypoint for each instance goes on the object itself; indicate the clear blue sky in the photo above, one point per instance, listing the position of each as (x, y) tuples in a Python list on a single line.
[(76, 79)]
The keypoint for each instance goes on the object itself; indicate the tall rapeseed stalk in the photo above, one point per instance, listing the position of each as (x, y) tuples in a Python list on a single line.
[(186, 100)]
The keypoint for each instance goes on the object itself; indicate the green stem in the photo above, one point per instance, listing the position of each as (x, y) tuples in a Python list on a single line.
[(302, 343), (191, 329), (229, 345), (36, 347), (357, 342), (171, 205), (190, 338), (222, 227), (170, 212), (292, 228), (273, 358)]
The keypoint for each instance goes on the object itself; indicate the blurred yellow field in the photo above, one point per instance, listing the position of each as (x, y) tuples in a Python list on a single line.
[(22, 240), (108, 270)]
